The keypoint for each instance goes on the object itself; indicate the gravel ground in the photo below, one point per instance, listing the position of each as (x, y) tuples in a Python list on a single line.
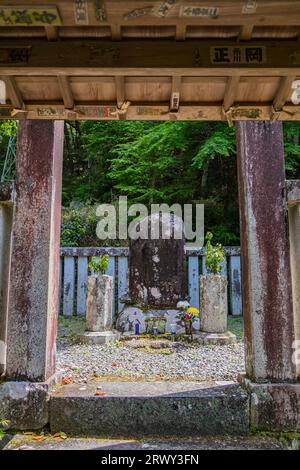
[(179, 360)]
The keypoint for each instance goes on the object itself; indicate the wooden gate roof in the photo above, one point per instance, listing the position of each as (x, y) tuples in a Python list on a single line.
[(172, 59)]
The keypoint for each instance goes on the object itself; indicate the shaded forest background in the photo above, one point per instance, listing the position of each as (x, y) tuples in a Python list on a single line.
[(151, 162)]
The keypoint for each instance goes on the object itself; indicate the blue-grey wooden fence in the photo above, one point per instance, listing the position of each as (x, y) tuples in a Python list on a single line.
[(74, 272)]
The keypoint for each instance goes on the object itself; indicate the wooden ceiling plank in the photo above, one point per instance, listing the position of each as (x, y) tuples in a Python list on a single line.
[(66, 92), (283, 92), (14, 92), (230, 92), (270, 12)]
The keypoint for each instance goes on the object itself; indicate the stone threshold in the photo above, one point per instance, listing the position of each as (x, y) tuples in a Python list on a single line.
[(149, 408)]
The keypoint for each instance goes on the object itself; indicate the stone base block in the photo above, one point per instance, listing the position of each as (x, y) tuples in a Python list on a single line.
[(24, 405), (274, 407), (131, 315), (159, 408), (99, 337), (215, 338)]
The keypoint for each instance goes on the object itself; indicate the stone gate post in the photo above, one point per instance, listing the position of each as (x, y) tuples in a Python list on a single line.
[(32, 302), (6, 215), (267, 286), (293, 197)]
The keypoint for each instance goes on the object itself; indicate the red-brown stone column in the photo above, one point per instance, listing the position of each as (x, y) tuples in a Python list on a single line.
[(267, 291), (32, 303)]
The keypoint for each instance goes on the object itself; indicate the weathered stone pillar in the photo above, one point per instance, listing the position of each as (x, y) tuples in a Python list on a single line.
[(6, 214), (293, 196), (33, 297), (267, 289)]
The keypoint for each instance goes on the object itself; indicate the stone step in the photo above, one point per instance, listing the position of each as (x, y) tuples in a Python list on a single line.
[(138, 409)]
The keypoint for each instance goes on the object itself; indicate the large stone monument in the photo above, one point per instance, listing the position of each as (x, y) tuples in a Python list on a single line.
[(157, 276)]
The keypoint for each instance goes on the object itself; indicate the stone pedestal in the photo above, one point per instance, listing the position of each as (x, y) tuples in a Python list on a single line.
[(132, 315), (214, 307), (99, 315), (273, 406)]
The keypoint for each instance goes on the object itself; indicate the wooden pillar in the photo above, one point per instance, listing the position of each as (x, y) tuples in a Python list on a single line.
[(33, 297), (267, 290)]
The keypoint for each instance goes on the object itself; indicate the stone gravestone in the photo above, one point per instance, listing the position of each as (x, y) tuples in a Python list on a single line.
[(157, 274)]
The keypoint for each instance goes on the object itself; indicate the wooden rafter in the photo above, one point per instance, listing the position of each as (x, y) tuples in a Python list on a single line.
[(230, 92), (246, 32), (283, 92), (14, 93), (66, 91), (52, 33)]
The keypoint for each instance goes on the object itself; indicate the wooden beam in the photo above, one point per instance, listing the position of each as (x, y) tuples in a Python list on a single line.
[(230, 92), (66, 91), (175, 93), (246, 32), (14, 93), (52, 33), (283, 92), (152, 111), (149, 58)]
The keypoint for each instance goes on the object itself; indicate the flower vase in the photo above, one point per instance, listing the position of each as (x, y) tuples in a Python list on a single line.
[(188, 325)]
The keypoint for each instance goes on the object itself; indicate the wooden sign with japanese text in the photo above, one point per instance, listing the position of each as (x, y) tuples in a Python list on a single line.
[(246, 55), (23, 15)]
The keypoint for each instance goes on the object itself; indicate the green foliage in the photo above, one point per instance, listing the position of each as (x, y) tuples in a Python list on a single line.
[(79, 226), (214, 255), (152, 162), (99, 266)]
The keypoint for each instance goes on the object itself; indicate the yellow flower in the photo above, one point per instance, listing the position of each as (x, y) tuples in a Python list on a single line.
[(193, 311)]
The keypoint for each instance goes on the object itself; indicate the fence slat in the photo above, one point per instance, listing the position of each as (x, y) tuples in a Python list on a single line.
[(111, 271), (193, 277), (235, 285), (82, 275), (122, 280), (69, 281)]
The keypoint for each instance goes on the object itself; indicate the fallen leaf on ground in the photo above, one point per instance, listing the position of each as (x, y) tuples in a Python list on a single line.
[(114, 364), (39, 438), (66, 380)]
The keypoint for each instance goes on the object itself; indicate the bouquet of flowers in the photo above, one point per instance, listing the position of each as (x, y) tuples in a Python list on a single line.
[(187, 315)]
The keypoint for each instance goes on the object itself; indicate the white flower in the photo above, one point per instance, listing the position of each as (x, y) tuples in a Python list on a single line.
[(183, 304)]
